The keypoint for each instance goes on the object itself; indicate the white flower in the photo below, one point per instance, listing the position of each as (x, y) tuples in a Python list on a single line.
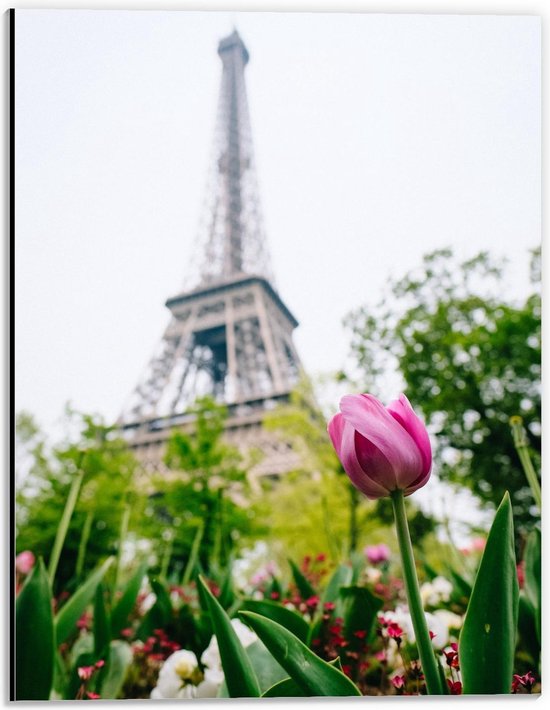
[(148, 602), (452, 621), (436, 624), (211, 656), (180, 676), (177, 677), (373, 575), (437, 591)]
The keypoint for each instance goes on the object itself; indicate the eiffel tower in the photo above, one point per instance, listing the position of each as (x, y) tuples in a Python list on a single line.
[(230, 333)]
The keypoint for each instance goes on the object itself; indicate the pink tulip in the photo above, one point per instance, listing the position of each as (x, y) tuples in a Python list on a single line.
[(382, 449), (377, 553), (24, 562)]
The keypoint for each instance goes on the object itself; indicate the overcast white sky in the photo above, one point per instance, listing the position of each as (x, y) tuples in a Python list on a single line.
[(377, 138)]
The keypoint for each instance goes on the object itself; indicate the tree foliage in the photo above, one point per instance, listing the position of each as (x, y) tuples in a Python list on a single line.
[(470, 359), (206, 485), (109, 469)]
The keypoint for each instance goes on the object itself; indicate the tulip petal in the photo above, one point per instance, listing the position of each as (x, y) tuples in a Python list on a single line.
[(420, 481), (371, 419), (352, 467), (335, 431), (374, 463), (401, 410)]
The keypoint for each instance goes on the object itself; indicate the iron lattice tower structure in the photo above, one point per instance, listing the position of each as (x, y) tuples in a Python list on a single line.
[(230, 334)]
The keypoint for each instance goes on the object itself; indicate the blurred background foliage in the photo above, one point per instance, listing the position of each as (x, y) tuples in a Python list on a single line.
[(469, 358)]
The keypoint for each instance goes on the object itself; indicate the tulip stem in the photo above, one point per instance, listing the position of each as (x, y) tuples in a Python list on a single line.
[(423, 641)]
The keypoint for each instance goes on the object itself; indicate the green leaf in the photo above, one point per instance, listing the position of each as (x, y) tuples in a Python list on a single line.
[(73, 686), (83, 644), (126, 603), (277, 612), (314, 676), (65, 621), (533, 574), (102, 636), (304, 587), (267, 670), (488, 637), (357, 565), (120, 658), (274, 587), (288, 688), (34, 637), (359, 609), (461, 585), (227, 595), (341, 577), (527, 629), (239, 673), (60, 676), (160, 614)]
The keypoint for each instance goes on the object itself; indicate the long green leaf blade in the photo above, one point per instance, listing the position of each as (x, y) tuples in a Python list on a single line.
[(314, 676), (124, 606), (288, 688), (239, 673), (66, 620), (360, 607), (488, 638), (303, 585), (533, 574), (267, 670), (341, 577), (102, 633), (120, 658), (292, 621), (34, 638)]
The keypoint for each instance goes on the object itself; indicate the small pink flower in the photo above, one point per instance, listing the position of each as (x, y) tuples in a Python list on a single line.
[(92, 696), (394, 631), (85, 621), (527, 681), (382, 449), (455, 687), (85, 672), (312, 602), (377, 553), (398, 681), (24, 562), (452, 656)]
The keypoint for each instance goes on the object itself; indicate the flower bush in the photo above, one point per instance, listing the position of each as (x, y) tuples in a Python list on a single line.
[(376, 623)]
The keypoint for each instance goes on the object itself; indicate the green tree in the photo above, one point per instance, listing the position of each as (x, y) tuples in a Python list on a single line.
[(109, 468), (206, 486), (469, 358), (302, 424)]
